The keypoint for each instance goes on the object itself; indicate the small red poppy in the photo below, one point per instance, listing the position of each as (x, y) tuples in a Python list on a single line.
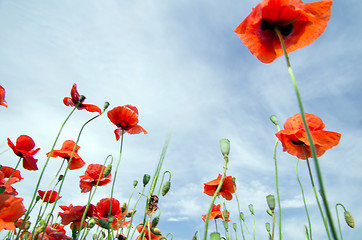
[(227, 189), (11, 209), (23, 148), (66, 151), (215, 213), (54, 231), (49, 196), (2, 97), (91, 177), (146, 232), (75, 98), (101, 211), (299, 23), (5, 173), (73, 214), (126, 119), (294, 137)]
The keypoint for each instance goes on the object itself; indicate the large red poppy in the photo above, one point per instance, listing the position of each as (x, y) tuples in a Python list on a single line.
[(227, 189), (215, 213), (73, 214), (91, 177), (11, 209), (75, 98), (294, 137), (299, 23), (49, 196), (24, 149), (146, 233), (2, 97), (101, 211), (66, 151), (126, 119), (5, 173)]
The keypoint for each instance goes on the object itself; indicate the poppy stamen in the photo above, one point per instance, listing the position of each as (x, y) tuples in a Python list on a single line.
[(285, 29)]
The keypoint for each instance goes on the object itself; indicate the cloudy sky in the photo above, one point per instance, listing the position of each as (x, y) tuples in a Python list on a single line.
[(187, 72)]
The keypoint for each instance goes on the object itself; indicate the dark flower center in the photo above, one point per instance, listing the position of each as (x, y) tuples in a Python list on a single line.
[(285, 30), (298, 142)]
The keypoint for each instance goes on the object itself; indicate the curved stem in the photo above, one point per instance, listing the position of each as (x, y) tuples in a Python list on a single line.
[(339, 223)]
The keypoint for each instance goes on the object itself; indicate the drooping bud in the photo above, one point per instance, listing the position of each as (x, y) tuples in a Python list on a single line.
[(271, 201), (274, 119), (81, 98), (251, 208), (267, 226), (105, 106), (107, 170), (131, 213), (124, 207), (242, 216), (95, 237), (166, 188), (155, 221), (155, 231), (60, 178), (349, 219), (235, 227), (91, 223), (225, 146), (215, 236), (135, 182), (269, 212), (146, 179), (37, 198), (103, 223)]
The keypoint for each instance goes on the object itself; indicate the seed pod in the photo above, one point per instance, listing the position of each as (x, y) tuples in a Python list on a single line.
[(274, 119), (155, 221), (271, 202), (267, 226), (135, 182), (242, 216), (215, 236), (225, 146), (269, 212), (146, 179), (91, 223), (166, 188), (105, 106), (251, 208), (124, 207), (131, 213)]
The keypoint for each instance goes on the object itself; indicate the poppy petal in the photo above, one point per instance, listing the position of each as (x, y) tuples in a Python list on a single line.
[(91, 108)]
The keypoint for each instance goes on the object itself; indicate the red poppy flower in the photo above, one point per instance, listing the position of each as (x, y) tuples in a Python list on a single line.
[(23, 149), (54, 232), (126, 119), (5, 173), (215, 213), (11, 209), (91, 176), (49, 196), (294, 137), (75, 98), (66, 151), (2, 97), (227, 189), (74, 215), (146, 233), (101, 211), (299, 23)]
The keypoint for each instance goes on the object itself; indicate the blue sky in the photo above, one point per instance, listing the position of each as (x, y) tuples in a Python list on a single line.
[(186, 70)]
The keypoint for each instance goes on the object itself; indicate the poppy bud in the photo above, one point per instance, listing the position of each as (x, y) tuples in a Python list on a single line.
[(2, 189), (156, 231), (135, 182), (166, 188), (91, 223), (155, 221), (306, 232), (274, 119), (271, 201), (215, 236), (269, 212), (105, 106), (146, 179), (267, 226), (349, 219), (95, 236), (60, 178), (81, 98), (27, 225), (26, 235), (225, 146), (131, 213), (251, 208), (235, 227), (124, 207), (103, 223), (242, 216), (37, 198), (108, 170)]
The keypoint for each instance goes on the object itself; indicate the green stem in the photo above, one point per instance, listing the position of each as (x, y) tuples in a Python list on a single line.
[(313, 151), (305, 203), (277, 186), (339, 223), (214, 197)]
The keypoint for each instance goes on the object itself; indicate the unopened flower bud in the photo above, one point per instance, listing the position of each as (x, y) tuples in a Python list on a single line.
[(267, 226), (103, 223), (42, 223), (251, 208), (215, 236), (242, 216), (146, 179), (131, 213), (60, 178), (225, 146), (155, 221), (37, 198), (108, 170), (349, 219), (135, 182), (166, 188), (95, 236), (269, 212), (105, 106), (271, 202), (124, 207), (27, 225), (2, 189), (306, 233), (91, 223), (156, 231), (235, 227), (274, 119)]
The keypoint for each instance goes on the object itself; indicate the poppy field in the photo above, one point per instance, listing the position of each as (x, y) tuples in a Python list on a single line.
[(76, 179)]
